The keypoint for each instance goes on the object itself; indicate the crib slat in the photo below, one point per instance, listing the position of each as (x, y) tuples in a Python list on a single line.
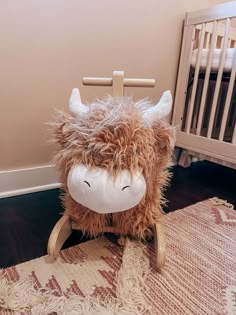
[(220, 29), (234, 135), (207, 41), (183, 75), (207, 76), (218, 80), (228, 99), (221, 42), (195, 80)]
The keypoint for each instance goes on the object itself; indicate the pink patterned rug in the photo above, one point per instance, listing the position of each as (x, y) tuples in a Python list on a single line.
[(100, 277)]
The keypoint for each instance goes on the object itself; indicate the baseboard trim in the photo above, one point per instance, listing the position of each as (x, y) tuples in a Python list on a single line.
[(28, 180)]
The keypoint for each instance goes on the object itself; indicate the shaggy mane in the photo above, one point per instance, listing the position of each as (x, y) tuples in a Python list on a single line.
[(115, 136)]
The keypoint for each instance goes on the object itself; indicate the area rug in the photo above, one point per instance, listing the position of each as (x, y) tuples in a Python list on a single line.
[(102, 277)]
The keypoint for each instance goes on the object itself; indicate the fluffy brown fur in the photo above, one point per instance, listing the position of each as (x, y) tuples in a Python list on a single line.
[(113, 135)]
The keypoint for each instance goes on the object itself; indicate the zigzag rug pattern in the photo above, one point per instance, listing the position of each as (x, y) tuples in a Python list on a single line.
[(199, 276)]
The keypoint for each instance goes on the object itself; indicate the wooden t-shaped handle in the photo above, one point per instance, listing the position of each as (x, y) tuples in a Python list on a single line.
[(118, 82)]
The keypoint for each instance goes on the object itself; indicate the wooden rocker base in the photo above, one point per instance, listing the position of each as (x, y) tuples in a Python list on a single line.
[(64, 228), (60, 233)]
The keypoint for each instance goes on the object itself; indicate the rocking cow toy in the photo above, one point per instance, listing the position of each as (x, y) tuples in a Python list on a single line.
[(113, 160)]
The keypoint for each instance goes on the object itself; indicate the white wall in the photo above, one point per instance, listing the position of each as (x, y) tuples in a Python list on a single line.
[(47, 46)]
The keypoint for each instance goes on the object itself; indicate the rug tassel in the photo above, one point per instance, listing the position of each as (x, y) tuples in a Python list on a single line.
[(217, 202), (21, 296)]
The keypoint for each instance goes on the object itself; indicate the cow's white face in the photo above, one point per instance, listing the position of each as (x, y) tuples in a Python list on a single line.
[(101, 192)]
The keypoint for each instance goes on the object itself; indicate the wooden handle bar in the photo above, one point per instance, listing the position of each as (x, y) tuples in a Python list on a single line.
[(127, 82)]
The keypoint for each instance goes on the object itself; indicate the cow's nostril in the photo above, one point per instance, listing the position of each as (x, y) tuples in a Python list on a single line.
[(125, 187), (86, 183)]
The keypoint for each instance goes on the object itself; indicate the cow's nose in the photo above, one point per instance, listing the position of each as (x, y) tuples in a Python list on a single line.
[(99, 191)]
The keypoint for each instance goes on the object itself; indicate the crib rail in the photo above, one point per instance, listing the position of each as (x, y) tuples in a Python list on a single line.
[(218, 12), (205, 100)]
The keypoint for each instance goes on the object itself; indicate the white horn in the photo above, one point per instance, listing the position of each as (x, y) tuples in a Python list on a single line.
[(75, 103), (161, 109)]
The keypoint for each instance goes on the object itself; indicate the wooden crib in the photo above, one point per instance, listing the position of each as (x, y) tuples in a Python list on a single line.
[(205, 99)]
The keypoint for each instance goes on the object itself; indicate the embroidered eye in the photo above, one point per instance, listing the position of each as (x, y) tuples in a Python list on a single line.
[(86, 183), (125, 187)]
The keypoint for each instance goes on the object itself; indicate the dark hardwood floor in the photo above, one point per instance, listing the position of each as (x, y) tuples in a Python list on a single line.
[(27, 220)]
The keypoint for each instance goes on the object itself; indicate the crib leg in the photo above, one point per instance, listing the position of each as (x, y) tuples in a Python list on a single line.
[(59, 235), (160, 245), (185, 159)]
